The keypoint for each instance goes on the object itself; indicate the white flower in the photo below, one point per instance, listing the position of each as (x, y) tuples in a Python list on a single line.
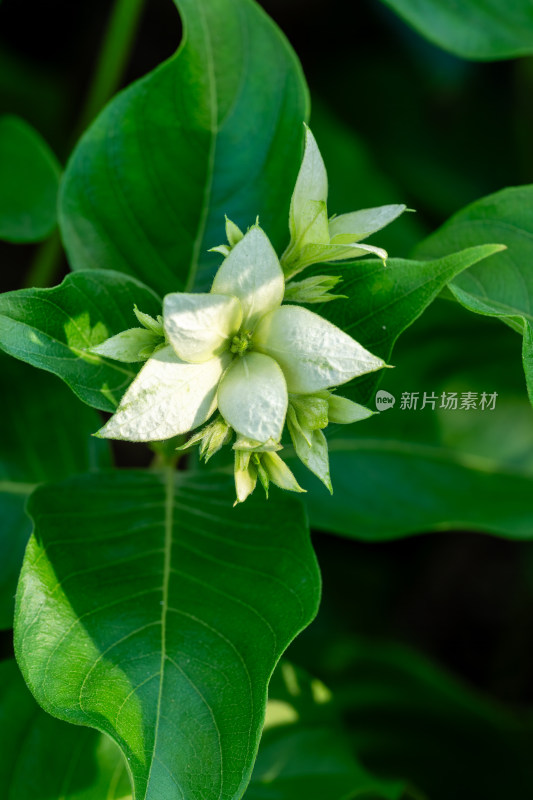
[(238, 349), (315, 238)]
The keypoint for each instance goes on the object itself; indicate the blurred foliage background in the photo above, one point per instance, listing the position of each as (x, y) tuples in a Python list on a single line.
[(397, 120)]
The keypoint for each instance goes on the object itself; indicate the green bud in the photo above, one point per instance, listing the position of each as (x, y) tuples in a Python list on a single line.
[(148, 322), (313, 290), (233, 233), (279, 473), (211, 438), (311, 410), (131, 346), (251, 446), (344, 411), (245, 476)]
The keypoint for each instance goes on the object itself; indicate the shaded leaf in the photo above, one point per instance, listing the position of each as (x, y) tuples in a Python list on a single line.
[(385, 490), (53, 329), (479, 29), (304, 752), (30, 182), (384, 301), (45, 759), (45, 436), (503, 286), (168, 610), (409, 717), (215, 130)]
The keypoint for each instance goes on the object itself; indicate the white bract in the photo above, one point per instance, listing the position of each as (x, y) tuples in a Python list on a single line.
[(238, 349), (315, 238)]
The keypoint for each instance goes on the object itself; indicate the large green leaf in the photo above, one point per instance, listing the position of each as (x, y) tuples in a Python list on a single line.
[(477, 29), (30, 181), (386, 490), (45, 436), (151, 609), (503, 286), (384, 301), (215, 130), (45, 759), (52, 329)]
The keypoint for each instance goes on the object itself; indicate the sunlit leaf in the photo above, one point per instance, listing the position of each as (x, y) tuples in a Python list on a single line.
[(54, 329), (160, 612)]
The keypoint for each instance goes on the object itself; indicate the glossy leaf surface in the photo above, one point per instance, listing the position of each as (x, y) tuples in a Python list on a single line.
[(53, 329), (152, 610), (215, 130)]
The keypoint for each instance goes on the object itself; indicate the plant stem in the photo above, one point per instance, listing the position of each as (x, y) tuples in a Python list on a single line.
[(114, 54), (45, 264), (113, 58)]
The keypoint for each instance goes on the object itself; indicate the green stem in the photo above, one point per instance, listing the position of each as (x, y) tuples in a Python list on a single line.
[(46, 263), (113, 58), (114, 54)]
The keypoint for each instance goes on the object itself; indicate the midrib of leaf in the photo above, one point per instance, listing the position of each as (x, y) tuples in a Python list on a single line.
[(202, 223), (169, 521)]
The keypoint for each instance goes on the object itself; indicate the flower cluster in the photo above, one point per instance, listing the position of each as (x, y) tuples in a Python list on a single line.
[(242, 349)]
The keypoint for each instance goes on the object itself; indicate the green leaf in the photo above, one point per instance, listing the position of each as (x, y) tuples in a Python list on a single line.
[(409, 717), (45, 759), (484, 30), (384, 301), (167, 609), (53, 329), (215, 130), (386, 490), (503, 286), (45, 436), (30, 182)]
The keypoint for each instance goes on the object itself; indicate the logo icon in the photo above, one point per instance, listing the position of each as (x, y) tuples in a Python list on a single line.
[(384, 400)]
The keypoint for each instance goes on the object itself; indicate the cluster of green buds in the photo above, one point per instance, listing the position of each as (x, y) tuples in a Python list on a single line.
[(246, 350)]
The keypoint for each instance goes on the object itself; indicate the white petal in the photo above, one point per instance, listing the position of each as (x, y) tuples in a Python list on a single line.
[(252, 397), (200, 326), (252, 273), (358, 225), (168, 397), (313, 353), (128, 345), (310, 196)]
